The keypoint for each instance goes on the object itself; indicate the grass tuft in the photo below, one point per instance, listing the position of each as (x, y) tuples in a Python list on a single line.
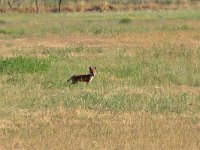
[(125, 21), (2, 22), (5, 31)]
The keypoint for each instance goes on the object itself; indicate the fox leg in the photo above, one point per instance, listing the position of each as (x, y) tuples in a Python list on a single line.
[(69, 79), (74, 81)]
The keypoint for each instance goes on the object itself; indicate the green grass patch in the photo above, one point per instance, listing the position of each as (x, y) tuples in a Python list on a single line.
[(2, 22), (121, 101), (5, 31), (22, 64), (125, 21), (164, 1)]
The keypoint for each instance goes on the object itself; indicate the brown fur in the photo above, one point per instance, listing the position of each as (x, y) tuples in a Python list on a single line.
[(83, 78)]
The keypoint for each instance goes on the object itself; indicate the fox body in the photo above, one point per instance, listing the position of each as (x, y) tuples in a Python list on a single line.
[(83, 78)]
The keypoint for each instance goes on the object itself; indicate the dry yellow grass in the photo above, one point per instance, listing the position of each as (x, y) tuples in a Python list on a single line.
[(85, 129), (129, 41)]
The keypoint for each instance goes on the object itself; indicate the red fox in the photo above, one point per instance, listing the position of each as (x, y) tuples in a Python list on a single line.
[(83, 78)]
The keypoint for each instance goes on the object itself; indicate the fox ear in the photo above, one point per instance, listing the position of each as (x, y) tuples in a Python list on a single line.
[(90, 67)]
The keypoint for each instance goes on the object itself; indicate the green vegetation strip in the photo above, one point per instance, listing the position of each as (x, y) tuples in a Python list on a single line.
[(97, 23), (22, 64)]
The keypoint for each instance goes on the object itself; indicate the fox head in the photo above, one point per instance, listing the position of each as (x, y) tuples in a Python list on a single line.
[(92, 70)]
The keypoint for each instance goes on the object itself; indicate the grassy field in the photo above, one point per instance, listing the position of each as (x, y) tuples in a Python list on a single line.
[(146, 94)]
